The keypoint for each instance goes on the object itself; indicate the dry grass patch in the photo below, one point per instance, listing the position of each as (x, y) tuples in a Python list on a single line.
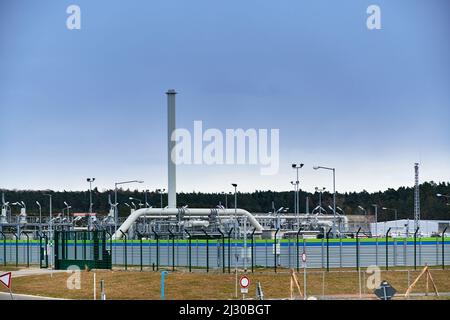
[(137, 285)]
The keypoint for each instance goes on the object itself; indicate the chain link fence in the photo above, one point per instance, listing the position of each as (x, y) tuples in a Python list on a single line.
[(225, 254)]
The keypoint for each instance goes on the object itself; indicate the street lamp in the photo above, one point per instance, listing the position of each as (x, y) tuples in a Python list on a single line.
[(295, 196), (395, 216), (226, 199), (145, 198), (50, 213), (40, 215), (244, 225), (67, 208), (443, 196), (90, 180), (297, 182), (320, 191), (362, 209), (376, 219), (161, 193), (116, 213), (334, 194), (140, 202)]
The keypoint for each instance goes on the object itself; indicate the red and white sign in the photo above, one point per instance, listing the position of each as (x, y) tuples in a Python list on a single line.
[(5, 279), (304, 257), (244, 281), (83, 214)]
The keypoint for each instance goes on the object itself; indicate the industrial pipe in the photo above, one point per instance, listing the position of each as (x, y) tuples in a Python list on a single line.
[(174, 211)]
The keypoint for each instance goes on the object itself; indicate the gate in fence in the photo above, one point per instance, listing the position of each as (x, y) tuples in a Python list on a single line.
[(84, 249), (43, 251)]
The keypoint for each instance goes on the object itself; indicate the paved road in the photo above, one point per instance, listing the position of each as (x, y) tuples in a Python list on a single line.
[(7, 296), (24, 273)]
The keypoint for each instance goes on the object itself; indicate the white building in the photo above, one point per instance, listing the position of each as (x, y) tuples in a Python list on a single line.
[(402, 228)]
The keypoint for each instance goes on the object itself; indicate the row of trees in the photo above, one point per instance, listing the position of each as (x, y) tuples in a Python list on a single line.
[(402, 199)]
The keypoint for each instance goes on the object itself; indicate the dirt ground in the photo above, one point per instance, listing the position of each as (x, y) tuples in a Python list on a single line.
[(200, 285)]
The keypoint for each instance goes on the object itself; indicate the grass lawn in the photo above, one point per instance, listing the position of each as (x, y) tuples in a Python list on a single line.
[(199, 285)]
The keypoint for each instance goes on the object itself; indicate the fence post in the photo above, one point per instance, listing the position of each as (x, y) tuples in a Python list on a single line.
[(207, 250), (110, 245), (328, 249), (189, 251), (173, 249), (46, 247), (357, 249), (443, 248), (415, 248), (387, 248), (297, 250), (229, 250), (17, 249), (275, 250), (28, 248), (125, 249), (84, 245), (4, 248), (223, 249), (157, 249), (140, 249), (253, 247)]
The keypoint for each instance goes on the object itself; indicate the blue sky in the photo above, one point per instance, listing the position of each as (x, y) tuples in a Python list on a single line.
[(91, 102)]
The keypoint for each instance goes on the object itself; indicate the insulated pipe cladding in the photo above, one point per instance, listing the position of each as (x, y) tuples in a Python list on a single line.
[(174, 211)]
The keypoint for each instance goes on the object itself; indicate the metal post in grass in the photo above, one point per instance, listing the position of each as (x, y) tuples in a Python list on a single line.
[(157, 248), (297, 250), (229, 250), (253, 247), (125, 249), (275, 250), (189, 251), (328, 249), (223, 249), (415, 248), (443, 248), (4, 248), (357, 249), (387, 248), (173, 249), (207, 250)]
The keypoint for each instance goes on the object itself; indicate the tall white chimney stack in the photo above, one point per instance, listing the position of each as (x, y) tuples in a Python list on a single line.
[(171, 167)]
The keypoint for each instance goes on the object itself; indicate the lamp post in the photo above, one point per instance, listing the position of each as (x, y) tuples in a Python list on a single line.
[(161, 192), (395, 215), (67, 208), (439, 195), (40, 215), (235, 201), (376, 219), (145, 198), (297, 182), (320, 191), (19, 204), (90, 180), (295, 196), (116, 212), (139, 200), (334, 194), (50, 213)]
